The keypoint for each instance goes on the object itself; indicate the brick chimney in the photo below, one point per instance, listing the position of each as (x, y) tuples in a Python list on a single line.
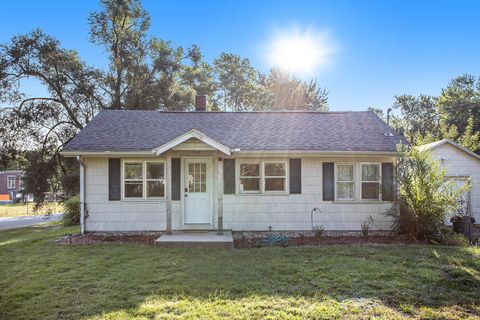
[(200, 103)]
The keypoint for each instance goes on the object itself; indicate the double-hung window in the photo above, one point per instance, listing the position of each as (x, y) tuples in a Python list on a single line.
[(263, 176), (10, 182), (250, 177), (371, 180), (275, 176), (143, 179), (345, 181)]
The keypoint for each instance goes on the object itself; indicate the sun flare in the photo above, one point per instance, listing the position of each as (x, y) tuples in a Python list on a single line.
[(299, 52)]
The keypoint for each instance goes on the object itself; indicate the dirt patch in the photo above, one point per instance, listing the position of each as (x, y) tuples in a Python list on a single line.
[(328, 240), (119, 238)]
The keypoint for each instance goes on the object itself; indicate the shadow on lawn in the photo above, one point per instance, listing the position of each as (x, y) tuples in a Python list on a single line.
[(41, 279)]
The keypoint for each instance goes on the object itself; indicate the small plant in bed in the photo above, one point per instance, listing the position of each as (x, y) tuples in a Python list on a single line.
[(318, 232)]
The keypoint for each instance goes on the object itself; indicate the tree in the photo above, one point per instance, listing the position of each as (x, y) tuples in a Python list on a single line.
[(426, 197), (288, 93), (239, 84), (453, 115), (460, 101), (121, 28), (44, 123)]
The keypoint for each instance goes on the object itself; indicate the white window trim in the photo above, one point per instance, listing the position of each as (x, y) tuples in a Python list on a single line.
[(9, 180), (144, 180), (245, 161), (361, 164), (262, 176), (354, 181)]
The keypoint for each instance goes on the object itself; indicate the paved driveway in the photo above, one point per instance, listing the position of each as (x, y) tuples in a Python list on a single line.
[(25, 221)]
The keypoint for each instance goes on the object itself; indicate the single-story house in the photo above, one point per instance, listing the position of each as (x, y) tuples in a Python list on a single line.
[(239, 171), (462, 165)]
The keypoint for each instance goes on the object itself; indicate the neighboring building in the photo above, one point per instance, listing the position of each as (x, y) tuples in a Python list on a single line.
[(461, 165), (241, 171), (10, 185)]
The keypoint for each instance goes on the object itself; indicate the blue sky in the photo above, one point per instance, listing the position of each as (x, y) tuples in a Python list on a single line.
[(382, 48)]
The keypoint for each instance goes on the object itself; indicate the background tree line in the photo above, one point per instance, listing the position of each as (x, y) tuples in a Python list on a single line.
[(454, 114), (143, 73)]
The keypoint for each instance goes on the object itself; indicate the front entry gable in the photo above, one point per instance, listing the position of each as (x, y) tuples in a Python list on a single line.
[(188, 137)]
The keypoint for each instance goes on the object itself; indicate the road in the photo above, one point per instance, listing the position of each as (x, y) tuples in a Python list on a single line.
[(25, 221)]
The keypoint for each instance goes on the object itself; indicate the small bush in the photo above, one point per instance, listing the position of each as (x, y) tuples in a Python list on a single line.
[(449, 238), (71, 217), (318, 231), (366, 226)]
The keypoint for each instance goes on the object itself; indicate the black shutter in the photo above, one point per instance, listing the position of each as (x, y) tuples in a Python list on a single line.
[(295, 176), (114, 183), (175, 178), (229, 176), (387, 181), (328, 181)]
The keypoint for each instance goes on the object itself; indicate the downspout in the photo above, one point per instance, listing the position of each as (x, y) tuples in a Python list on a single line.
[(82, 194)]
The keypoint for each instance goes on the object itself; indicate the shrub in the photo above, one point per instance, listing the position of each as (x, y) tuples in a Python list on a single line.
[(448, 237), (366, 226), (425, 196), (71, 217), (318, 231)]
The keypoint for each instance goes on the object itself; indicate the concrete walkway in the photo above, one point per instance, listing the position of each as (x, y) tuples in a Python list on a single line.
[(25, 221), (196, 239)]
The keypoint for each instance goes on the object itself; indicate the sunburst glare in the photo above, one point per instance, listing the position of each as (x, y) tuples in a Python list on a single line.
[(300, 52)]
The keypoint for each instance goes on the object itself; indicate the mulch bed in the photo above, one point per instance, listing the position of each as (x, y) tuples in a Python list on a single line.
[(119, 238), (327, 240)]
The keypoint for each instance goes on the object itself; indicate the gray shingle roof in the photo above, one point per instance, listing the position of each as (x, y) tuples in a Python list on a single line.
[(316, 131)]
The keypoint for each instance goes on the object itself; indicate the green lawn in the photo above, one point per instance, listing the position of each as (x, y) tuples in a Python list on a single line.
[(20, 209), (39, 279)]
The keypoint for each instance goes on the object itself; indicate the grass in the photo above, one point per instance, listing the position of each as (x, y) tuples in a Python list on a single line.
[(42, 280), (16, 210)]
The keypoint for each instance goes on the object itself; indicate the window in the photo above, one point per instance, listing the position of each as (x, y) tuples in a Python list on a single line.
[(275, 176), (143, 179), (10, 182), (263, 176), (249, 177), (345, 181), (371, 181)]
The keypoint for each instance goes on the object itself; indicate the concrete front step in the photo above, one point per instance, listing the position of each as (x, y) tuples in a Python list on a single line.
[(195, 240)]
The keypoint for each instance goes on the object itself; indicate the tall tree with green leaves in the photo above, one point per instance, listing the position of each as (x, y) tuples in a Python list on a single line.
[(239, 84), (121, 28), (288, 93)]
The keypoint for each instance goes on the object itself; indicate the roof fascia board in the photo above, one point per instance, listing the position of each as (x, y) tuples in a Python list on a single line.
[(188, 135), (314, 153), (146, 153)]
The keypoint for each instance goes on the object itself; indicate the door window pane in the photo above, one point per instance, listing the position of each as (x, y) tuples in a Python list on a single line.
[(197, 177)]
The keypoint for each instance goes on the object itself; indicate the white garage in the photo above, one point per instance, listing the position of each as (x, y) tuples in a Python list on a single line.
[(461, 164)]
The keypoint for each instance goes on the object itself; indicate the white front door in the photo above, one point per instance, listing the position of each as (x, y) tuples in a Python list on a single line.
[(198, 191)]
